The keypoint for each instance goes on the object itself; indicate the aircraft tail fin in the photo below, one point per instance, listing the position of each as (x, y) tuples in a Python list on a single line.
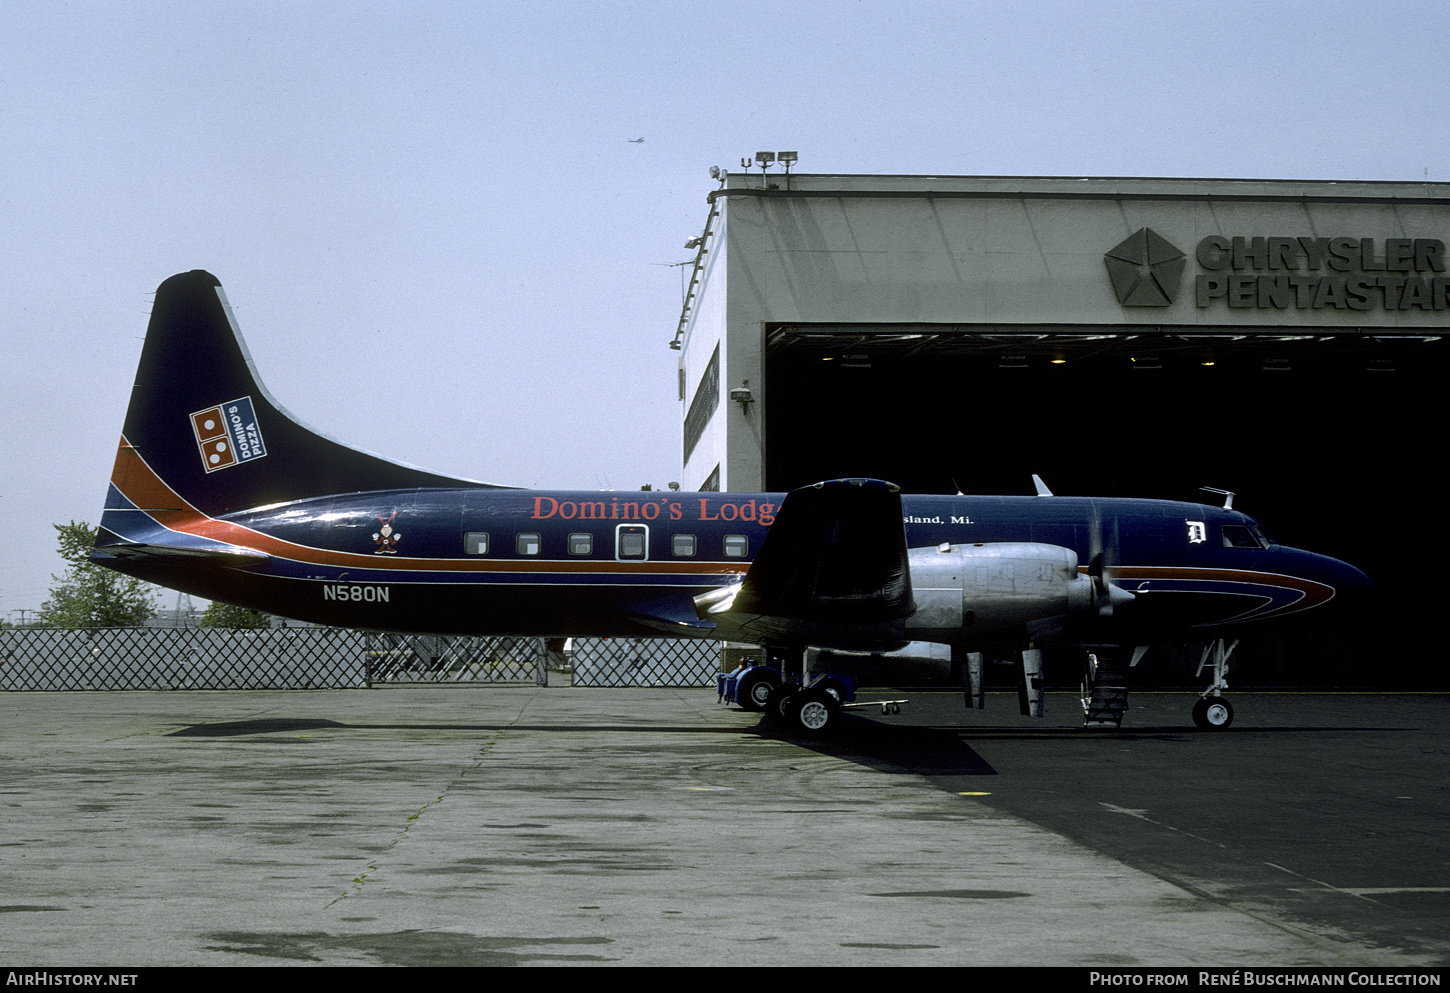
[(204, 434)]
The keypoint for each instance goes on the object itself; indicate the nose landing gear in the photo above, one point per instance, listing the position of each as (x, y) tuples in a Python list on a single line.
[(1212, 712)]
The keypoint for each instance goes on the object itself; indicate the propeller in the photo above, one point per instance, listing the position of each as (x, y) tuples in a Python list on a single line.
[(1102, 557)]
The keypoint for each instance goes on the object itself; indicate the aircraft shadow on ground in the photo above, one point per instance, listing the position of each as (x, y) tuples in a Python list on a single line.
[(932, 751)]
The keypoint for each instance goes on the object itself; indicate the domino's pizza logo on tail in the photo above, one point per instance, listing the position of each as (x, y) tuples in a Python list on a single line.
[(227, 434)]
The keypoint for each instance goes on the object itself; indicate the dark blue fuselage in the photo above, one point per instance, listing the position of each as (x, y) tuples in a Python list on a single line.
[(563, 563)]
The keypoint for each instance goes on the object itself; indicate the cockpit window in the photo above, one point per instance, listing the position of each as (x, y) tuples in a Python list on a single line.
[(1241, 536)]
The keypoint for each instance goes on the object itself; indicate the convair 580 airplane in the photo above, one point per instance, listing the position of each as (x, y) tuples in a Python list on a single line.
[(220, 492)]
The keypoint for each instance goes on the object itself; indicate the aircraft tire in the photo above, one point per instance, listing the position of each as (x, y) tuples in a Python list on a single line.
[(1213, 713), (813, 712), (753, 690), (835, 688), (778, 704)]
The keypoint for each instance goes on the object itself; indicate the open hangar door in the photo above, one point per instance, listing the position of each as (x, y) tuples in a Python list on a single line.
[(1332, 440)]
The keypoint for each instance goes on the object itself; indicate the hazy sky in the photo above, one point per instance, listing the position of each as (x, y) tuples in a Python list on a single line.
[(441, 246)]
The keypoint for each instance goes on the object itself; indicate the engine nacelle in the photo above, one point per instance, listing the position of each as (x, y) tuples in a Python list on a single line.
[(921, 663), (994, 587)]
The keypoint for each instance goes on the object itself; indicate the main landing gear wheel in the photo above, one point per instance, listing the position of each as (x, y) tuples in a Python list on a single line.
[(778, 701), (753, 693), (835, 688), (1213, 713)]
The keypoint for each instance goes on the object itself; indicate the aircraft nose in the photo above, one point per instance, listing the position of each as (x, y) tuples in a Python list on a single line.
[(1352, 582), (1332, 579), (1346, 580)]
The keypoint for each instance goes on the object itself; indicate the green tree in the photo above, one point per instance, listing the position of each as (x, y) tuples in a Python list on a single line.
[(90, 596), (229, 615)]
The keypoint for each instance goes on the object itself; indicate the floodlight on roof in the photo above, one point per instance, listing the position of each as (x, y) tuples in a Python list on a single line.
[(764, 159), (787, 158)]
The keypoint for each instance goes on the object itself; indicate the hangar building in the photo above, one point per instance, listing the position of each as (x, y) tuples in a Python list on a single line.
[(1119, 337)]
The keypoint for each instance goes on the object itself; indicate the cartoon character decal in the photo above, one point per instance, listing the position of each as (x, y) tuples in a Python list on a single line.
[(385, 538)]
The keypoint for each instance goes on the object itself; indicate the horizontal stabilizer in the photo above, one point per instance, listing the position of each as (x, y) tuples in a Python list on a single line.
[(110, 546)]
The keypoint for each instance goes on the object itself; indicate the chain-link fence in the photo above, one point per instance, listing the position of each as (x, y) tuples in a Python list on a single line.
[(431, 658), (644, 662), (181, 658), (330, 658)]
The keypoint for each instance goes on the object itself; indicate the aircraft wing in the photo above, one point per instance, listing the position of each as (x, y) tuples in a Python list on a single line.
[(832, 571), (672, 617)]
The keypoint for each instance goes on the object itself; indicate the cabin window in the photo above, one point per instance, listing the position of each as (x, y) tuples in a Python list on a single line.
[(631, 542), (527, 543), (475, 543), (737, 546), (1238, 536), (581, 544), (683, 545)]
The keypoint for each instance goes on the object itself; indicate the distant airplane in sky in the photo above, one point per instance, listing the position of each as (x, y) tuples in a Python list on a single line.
[(635, 141)]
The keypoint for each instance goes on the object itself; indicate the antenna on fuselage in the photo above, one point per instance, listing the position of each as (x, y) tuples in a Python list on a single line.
[(1228, 497), (1042, 489)]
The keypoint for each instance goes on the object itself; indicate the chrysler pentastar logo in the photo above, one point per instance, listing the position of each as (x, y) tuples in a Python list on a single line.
[(1145, 269)]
